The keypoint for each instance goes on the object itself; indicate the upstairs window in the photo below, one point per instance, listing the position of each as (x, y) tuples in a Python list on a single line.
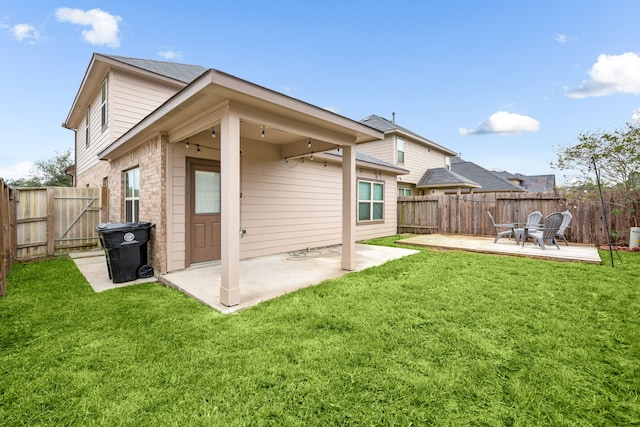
[(370, 201), (86, 128), (132, 195), (103, 103), (404, 192), (400, 148)]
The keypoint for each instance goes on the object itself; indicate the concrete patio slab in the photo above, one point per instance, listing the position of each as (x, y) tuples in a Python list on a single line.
[(264, 278), (572, 253), (261, 278)]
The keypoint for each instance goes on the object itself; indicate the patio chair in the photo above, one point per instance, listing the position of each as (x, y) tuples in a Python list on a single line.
[(533, 220), (508, 232), (548, 231), (566, 220)]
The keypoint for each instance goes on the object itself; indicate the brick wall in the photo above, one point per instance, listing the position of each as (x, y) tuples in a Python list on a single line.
[(150, 157), (94, 176)]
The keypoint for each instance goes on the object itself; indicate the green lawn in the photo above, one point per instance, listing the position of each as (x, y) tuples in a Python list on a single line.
[(440, 338)]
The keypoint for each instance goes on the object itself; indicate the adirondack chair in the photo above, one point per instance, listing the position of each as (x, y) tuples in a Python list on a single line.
[(533, 220), (566, 220), (502, 230), (548, 231), (532, 224)]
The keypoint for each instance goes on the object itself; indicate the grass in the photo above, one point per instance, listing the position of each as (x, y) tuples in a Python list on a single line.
[(440, 338)]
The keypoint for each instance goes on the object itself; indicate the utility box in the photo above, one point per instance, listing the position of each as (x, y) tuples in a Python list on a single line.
[(125, 246)]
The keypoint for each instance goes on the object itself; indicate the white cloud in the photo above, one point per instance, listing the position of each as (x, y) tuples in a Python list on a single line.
[(25, 32), (170, 55), (17, 171), (563, 38), (635, 115), (104, 26), (609, 75), (505, 123), (560, 38)]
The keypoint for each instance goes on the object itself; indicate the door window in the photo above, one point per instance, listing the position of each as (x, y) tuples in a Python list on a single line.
[(207, 192)]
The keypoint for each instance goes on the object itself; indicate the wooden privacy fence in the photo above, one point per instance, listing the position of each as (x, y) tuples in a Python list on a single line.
[(467, 213), (6, 225), (56, 219), (38, 222)]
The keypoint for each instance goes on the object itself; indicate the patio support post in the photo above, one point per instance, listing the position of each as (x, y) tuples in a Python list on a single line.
[(230, 209), (348, 207)]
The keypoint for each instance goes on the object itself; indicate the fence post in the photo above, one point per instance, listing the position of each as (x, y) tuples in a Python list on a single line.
[(6, 240), (51, 226)]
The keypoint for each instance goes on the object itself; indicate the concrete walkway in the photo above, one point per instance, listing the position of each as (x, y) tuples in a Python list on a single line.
[(261, 278), (93, 266)]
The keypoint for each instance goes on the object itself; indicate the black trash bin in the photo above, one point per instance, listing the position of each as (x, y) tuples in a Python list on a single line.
[(125, 246)]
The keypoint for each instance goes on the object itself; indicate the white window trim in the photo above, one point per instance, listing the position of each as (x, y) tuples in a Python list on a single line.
[(135, 213), (371, 202), (87, 135), (400, 148), (104, 98)]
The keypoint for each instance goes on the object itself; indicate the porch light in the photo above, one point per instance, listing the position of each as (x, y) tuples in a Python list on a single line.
[(311, 158), (309, 144), (213, 132), (198, 147), (262, 134), (186, 145)]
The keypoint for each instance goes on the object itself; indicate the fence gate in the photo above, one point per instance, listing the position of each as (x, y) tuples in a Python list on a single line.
[(57, 219)]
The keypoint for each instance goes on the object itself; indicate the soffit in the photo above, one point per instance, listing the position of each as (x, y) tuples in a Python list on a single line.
[(287, 121)]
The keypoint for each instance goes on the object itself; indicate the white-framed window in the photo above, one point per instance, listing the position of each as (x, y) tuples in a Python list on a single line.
[(400, 148), (132, 195), (404, 192), (370, 201), (86, 128), (103, 104)]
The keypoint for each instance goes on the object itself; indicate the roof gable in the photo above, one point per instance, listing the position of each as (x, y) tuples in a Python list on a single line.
[(387, 126)]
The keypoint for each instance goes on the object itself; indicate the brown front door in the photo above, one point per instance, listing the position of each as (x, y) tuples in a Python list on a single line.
[(203, 210)]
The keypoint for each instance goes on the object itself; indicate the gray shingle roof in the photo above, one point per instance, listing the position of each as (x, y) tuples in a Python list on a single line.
[(443, 177), (387, 126), (181, 72), (487, 179), (538, 183)]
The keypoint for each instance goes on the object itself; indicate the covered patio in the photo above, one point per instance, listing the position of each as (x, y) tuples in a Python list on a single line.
[(260, 278)]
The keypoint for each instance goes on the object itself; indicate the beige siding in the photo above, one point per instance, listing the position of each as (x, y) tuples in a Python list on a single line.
[(382, 150), (418, 158), (129, 100), (87, 156), (132, 99), (284, 207)]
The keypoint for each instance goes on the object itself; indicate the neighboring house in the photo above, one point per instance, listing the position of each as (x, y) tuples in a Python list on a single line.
[(489, 182), (445, 181), (531, 183), (224, 168), (435, 169), (411, 151)]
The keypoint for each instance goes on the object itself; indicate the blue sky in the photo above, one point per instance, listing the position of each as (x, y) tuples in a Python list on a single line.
[(504, 83)]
